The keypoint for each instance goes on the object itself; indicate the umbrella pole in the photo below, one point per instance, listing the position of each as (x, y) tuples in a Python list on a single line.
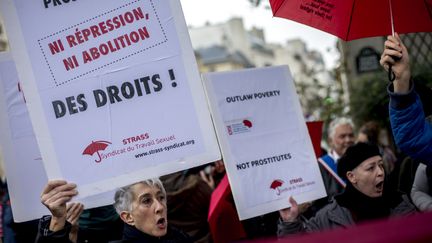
[(391, 18), (391, 75)]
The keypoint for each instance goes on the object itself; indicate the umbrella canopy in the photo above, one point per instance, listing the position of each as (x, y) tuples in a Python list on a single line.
[(224, 223), (315, 133), (351, 19)]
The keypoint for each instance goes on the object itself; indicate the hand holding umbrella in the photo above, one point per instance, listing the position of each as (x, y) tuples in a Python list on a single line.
[(400, 69), (351, 19)]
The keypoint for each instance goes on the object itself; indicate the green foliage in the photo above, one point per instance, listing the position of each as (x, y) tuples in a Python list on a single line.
[(424, 72), (369, 99)]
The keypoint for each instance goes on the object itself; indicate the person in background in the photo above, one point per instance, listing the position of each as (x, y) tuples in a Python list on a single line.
[(340, 137), (188, 202), (412, 133), (7, 232), (99, 225), (370, 133), (364, 197), (141, 206), (421, 192)]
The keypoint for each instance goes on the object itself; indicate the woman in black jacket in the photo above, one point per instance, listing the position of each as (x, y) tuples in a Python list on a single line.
[(141, 206), (363, 198)]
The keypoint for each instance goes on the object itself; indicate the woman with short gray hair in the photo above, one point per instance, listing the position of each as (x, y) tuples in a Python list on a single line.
[(124, 196), (141, 206)]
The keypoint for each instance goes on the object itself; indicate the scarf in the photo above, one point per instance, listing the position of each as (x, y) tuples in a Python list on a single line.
[(133, 235), (362, 207)]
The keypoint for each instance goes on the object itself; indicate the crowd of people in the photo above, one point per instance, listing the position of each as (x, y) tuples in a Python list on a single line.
[(355, 172), (362, 166)]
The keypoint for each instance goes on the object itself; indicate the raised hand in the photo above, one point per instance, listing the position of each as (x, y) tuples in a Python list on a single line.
[(208, 179), (55, 196), (74, 211), (396, 54), (290, 214)]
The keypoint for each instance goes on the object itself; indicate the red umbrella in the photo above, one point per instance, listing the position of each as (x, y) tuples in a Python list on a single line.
[(315, 133), (351, 19), (224, 223), (95, 147)]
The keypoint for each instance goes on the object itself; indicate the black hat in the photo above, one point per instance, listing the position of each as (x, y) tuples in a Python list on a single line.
[(354, 156)]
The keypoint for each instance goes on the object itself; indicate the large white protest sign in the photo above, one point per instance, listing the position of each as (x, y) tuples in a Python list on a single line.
[(23, 164), (112, 88), (264, 139)]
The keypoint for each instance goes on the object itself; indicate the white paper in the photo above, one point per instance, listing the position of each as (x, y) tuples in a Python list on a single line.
[(264, 139), (112, 89), (23, 164)]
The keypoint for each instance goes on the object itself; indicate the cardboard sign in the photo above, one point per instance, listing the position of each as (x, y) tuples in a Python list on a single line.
[(112, 89), (264, 140), (24, 169)]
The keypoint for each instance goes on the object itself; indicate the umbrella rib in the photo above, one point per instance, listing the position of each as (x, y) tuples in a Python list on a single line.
[(429, 8), (349, 25), (277, 10)]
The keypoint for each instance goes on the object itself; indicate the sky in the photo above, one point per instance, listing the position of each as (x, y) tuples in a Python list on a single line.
[(276, 30)]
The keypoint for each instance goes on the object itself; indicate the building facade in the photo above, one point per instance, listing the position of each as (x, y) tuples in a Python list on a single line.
[(229, 46)]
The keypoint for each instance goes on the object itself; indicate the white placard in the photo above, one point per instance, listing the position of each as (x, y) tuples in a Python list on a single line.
[(23, 164), (264, 139), (112, 88)]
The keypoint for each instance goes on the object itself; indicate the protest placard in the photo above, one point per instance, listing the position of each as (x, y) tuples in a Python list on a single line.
[(24, 169), (264, 139), (112, 89)]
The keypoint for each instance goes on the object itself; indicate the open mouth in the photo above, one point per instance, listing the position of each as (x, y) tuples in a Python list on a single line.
[(380, 186), (161, 223)]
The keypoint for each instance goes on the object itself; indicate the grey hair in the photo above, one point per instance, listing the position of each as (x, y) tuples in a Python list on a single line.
[(123, 197), (338, 122)]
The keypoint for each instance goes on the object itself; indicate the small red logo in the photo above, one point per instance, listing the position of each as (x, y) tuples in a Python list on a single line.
[(276, 184), (95, 147), (247, 123)]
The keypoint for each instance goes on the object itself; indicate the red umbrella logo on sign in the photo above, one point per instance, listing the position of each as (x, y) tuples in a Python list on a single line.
[(95, 147), (276, 184), (247, 123)]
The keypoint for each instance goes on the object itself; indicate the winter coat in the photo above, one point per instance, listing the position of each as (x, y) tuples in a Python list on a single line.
[(420, 193), (47, 236), (130, 235), (133, 235), (332, 186), (411, 131), (333, 216)]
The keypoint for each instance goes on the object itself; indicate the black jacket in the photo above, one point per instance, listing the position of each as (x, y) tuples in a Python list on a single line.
[(133, 235), (130, 235)]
